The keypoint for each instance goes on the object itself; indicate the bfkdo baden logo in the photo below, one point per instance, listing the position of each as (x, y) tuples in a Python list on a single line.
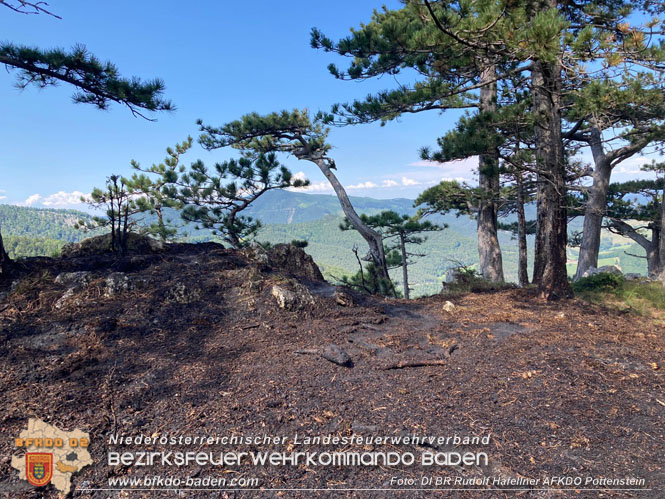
[(51, 455)]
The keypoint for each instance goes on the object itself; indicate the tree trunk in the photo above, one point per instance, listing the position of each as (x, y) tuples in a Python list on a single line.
[(654, 266), (552, 216), (4, 259), (489, 251), (660, 239), (522, 271), (405, 273), (540, 239), (373, 238), (595, 207)]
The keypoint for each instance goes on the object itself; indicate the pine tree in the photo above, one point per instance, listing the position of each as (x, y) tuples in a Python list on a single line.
[(296, 133)]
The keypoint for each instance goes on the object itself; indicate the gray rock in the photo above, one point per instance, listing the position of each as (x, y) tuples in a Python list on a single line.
[(293, 300), (62, 301), (181, 293), (607, 269), (285, 298), (634, 277), (449, 307), (74, 279), (336, 355), (119, 282), (257, 253)]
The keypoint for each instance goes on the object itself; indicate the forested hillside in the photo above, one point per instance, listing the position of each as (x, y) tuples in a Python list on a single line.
[(315, 218)]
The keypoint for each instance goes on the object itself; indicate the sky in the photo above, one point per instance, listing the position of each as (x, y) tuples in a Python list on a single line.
[(219, 60)]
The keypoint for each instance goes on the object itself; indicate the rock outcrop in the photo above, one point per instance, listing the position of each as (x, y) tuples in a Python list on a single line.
[(99, 245)]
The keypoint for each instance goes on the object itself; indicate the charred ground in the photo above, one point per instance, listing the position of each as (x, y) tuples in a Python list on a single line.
[(200, 340)]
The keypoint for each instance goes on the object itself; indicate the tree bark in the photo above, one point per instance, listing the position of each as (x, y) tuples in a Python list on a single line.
[(405, 272), (595, 206), (4, 259), (522, 270), (489, 250), (373, 238), (552, 216)]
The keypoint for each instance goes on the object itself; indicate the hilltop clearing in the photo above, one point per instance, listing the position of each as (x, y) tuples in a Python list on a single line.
[(201, 340)]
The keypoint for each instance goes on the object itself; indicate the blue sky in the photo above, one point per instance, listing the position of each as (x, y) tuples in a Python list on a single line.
[(219, 60)]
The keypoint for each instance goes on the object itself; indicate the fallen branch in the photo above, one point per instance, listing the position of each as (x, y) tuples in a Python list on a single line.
[(417, 363)]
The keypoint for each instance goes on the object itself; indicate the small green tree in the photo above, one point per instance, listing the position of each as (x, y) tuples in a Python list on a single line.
[(398, 231), (154, 195), (120, 204)]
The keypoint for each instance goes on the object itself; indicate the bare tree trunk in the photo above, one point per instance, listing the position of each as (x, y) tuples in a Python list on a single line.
[(522, 270), (4, 259), (595, 207), (489, 250), (405, 272), (541, 236), (373, 238), (552, 216)]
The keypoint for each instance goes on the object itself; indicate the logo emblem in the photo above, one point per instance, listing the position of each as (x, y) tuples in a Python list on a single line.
[(38, 468)]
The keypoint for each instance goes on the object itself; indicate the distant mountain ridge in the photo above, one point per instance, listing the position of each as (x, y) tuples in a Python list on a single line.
[(287, 207)]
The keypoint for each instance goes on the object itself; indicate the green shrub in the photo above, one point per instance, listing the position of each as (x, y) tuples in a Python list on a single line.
[(603, 281)]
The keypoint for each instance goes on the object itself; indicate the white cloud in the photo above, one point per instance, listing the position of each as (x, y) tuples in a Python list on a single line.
[(389, 183), (299, 176), (632, 165), (58, 200), (32, 199), (461, 169), (63, 198), (315, 187), (362, 185), (409, 181)]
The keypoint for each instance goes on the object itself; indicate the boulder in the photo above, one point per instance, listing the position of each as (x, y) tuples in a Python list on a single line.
[(607, 269), (294, 261), (634, 277), (336, 355), (298, 299), (99, 245)]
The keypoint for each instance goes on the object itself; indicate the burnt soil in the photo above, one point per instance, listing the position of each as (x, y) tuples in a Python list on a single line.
[(202, 348)]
